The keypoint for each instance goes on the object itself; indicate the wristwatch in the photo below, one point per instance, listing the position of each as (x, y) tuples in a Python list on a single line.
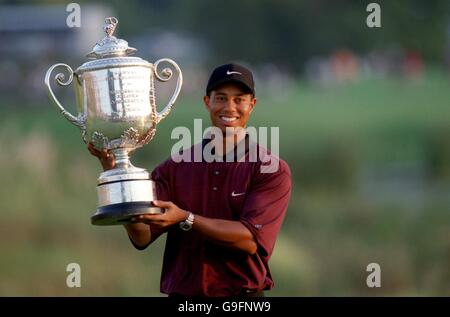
[(187, 224)]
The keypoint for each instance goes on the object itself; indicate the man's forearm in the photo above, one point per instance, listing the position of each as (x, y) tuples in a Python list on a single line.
[(226, 232), (140, 233), (232, 234)]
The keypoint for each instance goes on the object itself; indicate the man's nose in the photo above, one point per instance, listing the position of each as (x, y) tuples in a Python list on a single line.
[(230, 104)]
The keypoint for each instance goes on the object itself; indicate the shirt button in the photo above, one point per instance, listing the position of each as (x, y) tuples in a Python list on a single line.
[(214, 188), (216, 172)]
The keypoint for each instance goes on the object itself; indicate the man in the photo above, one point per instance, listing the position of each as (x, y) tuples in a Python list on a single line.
[(221, 217)]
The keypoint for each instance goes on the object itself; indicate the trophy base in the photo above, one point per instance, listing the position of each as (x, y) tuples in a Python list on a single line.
[(124, 193), (119, 214)]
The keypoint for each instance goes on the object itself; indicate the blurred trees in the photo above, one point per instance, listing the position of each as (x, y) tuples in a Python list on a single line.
[(288, 32)]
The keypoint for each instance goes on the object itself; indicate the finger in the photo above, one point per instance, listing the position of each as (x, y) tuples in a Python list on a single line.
[(139, 220), (153, 217), (92, 149), (106, 156), (150, 218), (95, 152), (91, 146), (162, 203)]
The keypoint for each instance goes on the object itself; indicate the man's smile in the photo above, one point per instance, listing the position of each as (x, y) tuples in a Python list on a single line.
[(228, 118)]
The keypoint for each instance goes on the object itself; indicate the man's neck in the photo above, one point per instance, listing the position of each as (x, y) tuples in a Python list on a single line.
[(229, 142)]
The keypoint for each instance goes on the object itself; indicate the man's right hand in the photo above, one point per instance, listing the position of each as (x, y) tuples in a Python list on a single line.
[(105, 157)]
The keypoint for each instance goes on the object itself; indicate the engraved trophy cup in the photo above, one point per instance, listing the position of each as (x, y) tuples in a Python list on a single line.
[(117, 111)]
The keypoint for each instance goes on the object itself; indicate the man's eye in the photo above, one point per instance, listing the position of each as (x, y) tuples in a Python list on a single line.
[(220, 98), (238, 100)]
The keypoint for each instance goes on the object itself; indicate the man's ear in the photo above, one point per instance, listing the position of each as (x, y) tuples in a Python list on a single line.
[(252, 104), (206, 100)]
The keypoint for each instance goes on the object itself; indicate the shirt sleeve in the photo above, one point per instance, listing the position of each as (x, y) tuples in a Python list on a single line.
[(161, 177), (266, 205)]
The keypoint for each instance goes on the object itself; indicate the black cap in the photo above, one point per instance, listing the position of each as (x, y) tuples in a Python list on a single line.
[(231, 73)]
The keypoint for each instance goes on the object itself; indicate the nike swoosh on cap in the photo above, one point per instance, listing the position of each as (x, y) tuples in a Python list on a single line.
[(231, 73)]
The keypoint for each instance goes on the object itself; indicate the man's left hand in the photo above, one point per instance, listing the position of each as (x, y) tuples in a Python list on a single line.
[(171, 216)]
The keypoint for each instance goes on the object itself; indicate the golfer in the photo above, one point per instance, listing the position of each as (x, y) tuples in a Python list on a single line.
[(222, 216)]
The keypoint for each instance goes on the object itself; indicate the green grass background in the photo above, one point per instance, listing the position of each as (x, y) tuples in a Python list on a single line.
[(339, 141)]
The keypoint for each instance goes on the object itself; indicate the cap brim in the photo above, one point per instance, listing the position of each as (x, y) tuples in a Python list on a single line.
[(230, 80)]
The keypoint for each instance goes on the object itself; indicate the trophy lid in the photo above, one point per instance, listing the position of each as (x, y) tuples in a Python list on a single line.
[(111, 52), (110, 46)]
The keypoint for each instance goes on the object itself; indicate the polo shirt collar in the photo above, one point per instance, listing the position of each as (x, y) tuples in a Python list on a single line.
[(239, 152)]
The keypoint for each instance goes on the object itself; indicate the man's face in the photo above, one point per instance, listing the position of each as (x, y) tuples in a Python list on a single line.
[(229, 106)]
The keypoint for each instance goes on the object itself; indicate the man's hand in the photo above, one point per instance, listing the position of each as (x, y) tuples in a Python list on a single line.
[(106, 158), (171, 216)]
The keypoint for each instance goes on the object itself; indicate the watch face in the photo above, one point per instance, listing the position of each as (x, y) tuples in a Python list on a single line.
[(185, 226)]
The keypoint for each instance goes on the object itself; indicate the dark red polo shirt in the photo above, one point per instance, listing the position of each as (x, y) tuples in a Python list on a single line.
[(194, 265)]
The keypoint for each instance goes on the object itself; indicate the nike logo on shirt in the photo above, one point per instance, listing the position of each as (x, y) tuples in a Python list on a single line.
[(233, 194)]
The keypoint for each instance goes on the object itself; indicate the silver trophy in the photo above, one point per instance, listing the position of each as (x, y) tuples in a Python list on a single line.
[(117, 111)]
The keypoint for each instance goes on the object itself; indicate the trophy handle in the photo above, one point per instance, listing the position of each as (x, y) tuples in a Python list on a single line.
[(166, 74), (59, 78)]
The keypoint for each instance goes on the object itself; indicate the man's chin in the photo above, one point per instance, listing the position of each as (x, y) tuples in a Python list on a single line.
[(229, 131)]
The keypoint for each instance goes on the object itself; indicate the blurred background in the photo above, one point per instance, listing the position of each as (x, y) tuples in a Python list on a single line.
[(364, 117)]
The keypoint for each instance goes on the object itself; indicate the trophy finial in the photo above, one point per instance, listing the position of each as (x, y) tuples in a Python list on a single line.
[(110, 25), (110, 46)]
